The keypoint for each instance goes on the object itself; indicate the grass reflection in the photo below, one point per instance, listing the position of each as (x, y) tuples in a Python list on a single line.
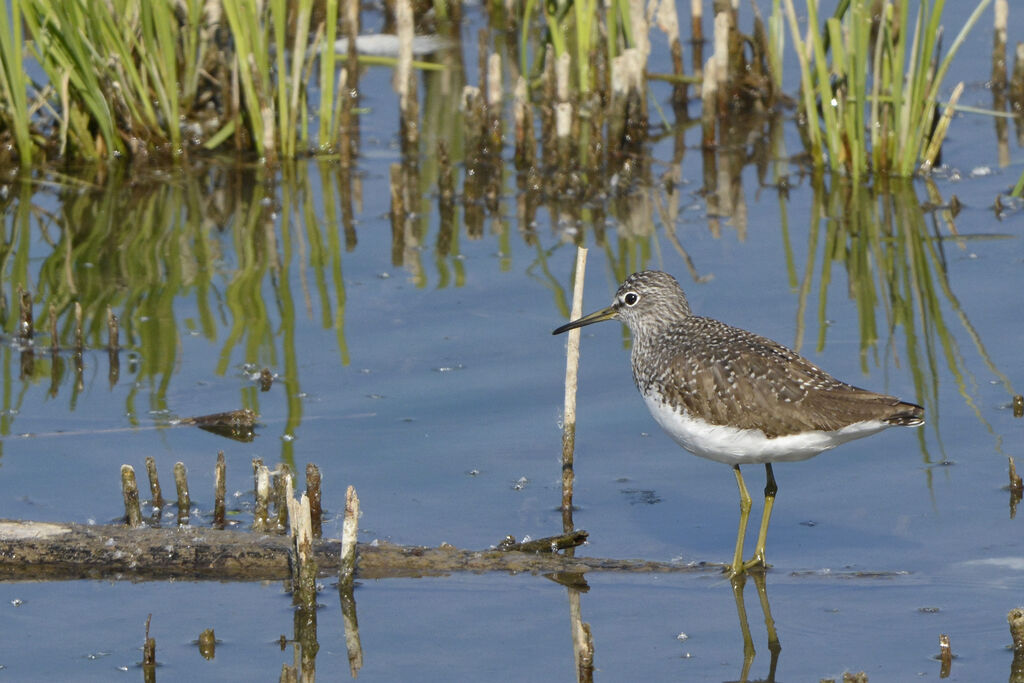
[(231, 243)]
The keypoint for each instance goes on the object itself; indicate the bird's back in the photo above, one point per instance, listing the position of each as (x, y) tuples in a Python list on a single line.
[(724, 375)]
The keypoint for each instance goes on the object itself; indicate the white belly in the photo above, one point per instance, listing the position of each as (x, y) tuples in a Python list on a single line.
[(734, 446)]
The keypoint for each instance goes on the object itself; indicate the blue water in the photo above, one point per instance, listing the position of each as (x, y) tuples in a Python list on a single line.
[(440, 398)]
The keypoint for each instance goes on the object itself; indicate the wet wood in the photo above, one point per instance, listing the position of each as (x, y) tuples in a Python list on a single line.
[(232, 418), (219, 491), (25, 325), (130, 491), (38, 551), (156, 495), (316, 512), (349, 536), (181, 484)]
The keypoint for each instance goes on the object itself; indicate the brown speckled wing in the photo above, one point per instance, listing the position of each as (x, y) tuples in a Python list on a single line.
[(729, 376)]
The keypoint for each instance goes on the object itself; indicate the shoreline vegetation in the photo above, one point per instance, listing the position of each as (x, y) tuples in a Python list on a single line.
[(164, 83)]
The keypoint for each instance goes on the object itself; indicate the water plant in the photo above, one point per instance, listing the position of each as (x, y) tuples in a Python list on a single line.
[(870, 84)]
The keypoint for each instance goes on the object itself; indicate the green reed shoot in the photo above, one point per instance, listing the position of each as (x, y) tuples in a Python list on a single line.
[(574, 27), (886, 123), (14, 114)]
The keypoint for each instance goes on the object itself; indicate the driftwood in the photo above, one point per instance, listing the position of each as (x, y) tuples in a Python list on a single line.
[(48, 551)]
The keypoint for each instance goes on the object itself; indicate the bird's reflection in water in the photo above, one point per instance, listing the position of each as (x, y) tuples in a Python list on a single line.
[(738, 584)]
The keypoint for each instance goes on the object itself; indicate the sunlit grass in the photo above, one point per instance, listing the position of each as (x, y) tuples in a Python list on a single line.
[(870, 84)]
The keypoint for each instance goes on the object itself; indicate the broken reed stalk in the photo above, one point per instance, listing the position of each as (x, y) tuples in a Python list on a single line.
[(563, 115), (130, 491), (79, 339), (316, 511), (304, 564), (257, 463), (349, 534), (156, 496), (697, 36), (1015, 617), (945, 656), (54, 334), (260, 514), (1016, 488), (25, 321), (113, 332), (207, 644), (282, 496), (181, 484), (1001, 11), (582, 638), (149, 649), (219, 491), (569, 411), (522, 112)]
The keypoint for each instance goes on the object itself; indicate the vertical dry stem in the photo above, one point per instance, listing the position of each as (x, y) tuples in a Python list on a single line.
[(569, 419), (130, 490), (219, 491), (181, 484)]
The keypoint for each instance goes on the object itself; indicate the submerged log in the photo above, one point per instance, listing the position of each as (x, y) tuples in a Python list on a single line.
[(47, 551)]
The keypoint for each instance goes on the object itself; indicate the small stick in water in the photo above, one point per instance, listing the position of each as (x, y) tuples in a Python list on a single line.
[(154, 483), (260, 519), (316, 512), (219, 491), (54, 334), (149, 649), (349, 533), (130, 490), (281, 478), (181, 483), (25, 325)]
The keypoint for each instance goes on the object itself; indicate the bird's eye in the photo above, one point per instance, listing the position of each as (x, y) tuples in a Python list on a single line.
[(630, 298)]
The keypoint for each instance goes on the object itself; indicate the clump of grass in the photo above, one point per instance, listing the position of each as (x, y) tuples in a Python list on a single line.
[(153, 79), (875, 73), (14, 113)]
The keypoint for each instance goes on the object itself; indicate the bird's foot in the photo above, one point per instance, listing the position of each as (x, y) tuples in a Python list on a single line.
[(756, 563)]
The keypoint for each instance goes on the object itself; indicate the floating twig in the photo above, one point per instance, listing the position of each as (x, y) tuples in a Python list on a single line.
[(550, 544)]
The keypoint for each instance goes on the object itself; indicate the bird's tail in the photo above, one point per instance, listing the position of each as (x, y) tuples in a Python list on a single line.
[(906, 415)]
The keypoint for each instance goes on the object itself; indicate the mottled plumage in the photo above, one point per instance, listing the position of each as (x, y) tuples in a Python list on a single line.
[(736, 397)]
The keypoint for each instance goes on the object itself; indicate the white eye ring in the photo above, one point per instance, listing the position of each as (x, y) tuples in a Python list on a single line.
[(630, 298)]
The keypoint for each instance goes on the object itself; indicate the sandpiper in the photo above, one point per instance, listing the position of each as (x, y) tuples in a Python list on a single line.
[(735, 397)]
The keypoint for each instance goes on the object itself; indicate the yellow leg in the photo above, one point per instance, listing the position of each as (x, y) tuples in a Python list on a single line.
[(770, 489), (737, 558)]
